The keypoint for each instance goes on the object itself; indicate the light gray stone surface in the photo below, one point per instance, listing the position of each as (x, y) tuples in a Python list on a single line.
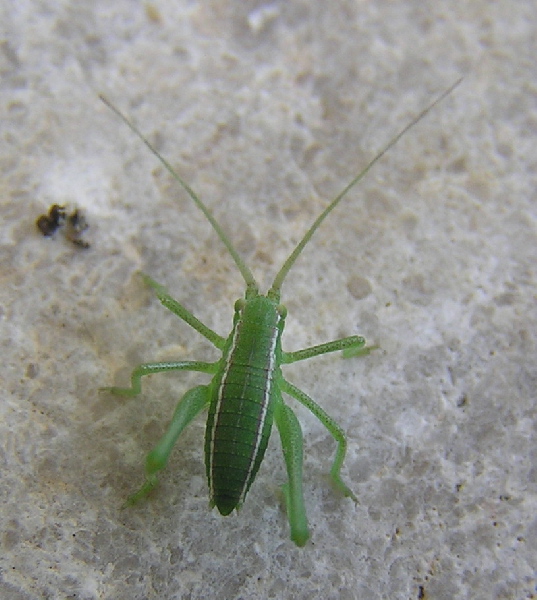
[(268, 110)]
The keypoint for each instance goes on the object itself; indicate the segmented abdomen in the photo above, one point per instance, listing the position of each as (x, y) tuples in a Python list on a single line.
[(240, 417)]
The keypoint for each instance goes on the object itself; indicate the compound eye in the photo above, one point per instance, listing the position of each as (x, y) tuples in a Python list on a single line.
[(282, 310), (239, 305)]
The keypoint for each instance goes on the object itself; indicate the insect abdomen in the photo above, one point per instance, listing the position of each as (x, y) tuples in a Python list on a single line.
[(241, 411)]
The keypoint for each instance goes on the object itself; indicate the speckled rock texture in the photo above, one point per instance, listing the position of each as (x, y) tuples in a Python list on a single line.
[(268, 110)]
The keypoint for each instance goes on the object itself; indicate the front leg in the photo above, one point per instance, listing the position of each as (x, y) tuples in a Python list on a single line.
[(179, 310)]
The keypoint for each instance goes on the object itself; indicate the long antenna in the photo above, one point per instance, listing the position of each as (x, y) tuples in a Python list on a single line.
[(274, 291), (251, 284)]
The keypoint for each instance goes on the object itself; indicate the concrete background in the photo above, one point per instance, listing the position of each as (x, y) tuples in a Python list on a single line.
[(268, 110)]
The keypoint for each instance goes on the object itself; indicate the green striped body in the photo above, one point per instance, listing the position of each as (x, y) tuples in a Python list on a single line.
[(243, 394)]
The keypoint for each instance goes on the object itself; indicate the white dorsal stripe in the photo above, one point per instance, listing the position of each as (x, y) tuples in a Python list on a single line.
[(264, 407), (217, 408)]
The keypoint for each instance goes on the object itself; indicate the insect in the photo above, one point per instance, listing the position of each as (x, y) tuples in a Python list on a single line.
[(245, 394), (49, 223), (73, 224)]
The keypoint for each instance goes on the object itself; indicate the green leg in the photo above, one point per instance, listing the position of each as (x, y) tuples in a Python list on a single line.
[(160, 367), (189, 406), (179, 310), (351, 346), (291, 438), (353, 352), (333, 428)]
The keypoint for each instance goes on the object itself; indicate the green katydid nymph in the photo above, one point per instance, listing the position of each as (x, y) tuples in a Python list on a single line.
[(245, 394)]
